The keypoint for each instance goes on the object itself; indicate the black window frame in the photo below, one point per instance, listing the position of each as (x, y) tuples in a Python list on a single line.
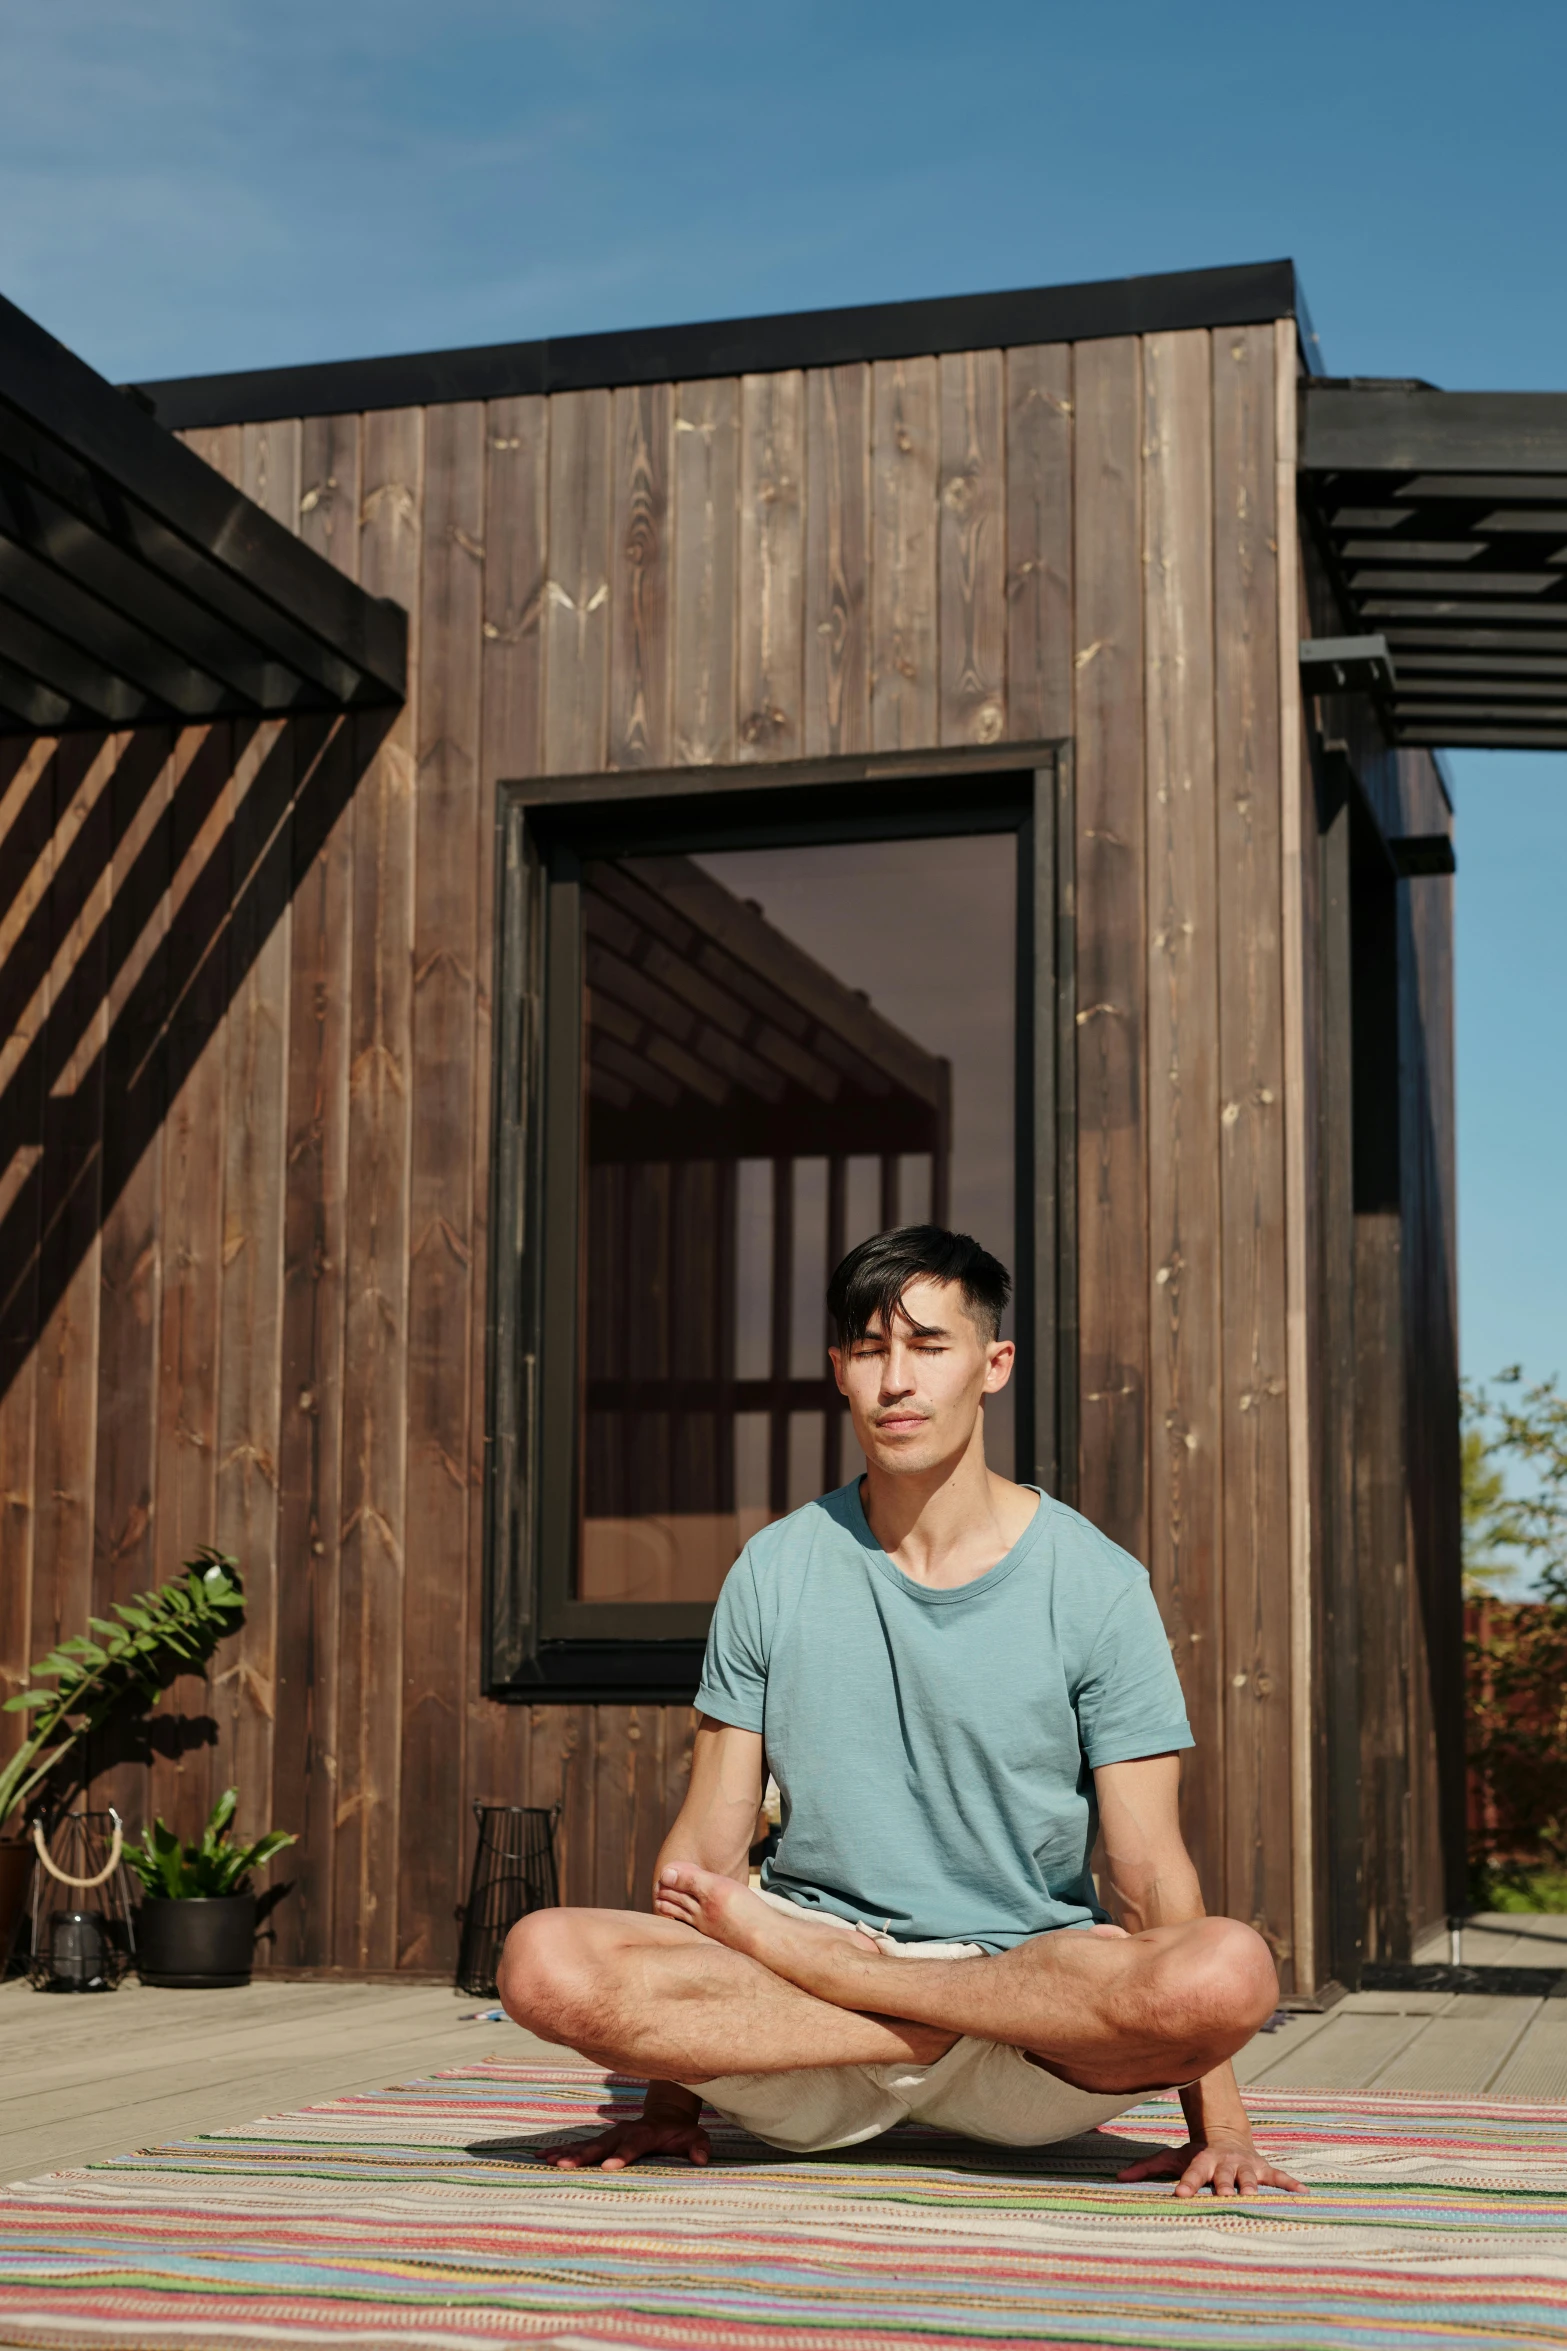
[(540, 1641)]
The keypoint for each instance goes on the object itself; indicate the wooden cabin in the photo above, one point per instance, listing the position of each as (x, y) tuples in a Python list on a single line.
[(841, 768)]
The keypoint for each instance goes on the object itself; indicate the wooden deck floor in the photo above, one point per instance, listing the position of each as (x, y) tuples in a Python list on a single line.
[(85, 2078), (1501, 1940), (88, 2076)]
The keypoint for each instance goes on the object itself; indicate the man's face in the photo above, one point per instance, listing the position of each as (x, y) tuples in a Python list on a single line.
[(915, 1392)]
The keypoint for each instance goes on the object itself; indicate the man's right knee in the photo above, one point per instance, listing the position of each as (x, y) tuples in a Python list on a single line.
[(546, 1973)]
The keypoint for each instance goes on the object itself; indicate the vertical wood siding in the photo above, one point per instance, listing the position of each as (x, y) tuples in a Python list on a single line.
[(27, 847), (376, 1275), (273, 1334), (1251, 1128), (1112, 936), (1186, 1323), (315, 1241), (126, 1399), (837, 561)]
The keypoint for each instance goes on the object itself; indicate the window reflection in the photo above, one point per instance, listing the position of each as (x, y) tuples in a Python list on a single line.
[(787, 1049)]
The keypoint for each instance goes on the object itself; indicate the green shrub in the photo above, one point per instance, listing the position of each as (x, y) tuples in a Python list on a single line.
[(1521, 1890), (173, 1871)]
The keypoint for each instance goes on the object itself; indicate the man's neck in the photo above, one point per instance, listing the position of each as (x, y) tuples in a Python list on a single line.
[(950, 1524)]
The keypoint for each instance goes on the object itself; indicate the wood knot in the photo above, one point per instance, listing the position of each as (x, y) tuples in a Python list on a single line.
[(759, 725)]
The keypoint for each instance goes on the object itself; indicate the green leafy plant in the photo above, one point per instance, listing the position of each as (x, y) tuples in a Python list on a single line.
[(1515, 1887), (176, 1872), (1517, 1676), (1516, 1648), (158, 1636), (1492, 1529), (1528, 1423)]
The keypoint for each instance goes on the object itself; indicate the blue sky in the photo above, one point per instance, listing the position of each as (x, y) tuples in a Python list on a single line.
[(191, 184)]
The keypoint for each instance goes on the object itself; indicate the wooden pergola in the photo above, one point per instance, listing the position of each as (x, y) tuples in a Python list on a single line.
[(136, 586), (1442, 521)]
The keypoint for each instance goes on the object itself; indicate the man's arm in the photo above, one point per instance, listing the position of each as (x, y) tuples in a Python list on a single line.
[(1153, 1884), (716, 1825), (715, 1828)]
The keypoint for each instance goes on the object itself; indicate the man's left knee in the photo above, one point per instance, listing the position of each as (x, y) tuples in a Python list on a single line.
[(1229, 1984)]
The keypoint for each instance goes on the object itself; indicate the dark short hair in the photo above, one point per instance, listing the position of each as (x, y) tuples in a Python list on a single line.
[(873, 1277)]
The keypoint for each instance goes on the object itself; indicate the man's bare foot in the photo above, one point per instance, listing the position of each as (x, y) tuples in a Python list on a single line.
[(782, 1938), (730, 1913)]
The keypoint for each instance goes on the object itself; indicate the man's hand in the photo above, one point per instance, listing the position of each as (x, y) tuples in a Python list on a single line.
[(624, 2142), (669, 2124), (1227, 2163)]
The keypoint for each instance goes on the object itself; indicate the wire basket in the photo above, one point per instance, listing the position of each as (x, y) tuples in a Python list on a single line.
[(513, 1873)]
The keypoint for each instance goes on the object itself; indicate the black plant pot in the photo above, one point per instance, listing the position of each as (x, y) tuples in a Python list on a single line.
[(199, 1946)]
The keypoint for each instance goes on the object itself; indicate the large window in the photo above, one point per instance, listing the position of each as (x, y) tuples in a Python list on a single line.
[(764, 1038)]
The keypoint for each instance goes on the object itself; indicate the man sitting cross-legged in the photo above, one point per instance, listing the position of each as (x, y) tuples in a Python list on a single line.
[(956, 1682)]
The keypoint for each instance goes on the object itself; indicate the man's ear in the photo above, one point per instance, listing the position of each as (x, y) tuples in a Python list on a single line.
[(1002, 1354), (835, 1358)]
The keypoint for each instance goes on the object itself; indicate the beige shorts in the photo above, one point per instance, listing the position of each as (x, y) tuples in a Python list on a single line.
[(980, 2089)]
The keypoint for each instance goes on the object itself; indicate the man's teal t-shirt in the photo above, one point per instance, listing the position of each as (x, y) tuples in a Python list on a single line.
[(934, 1749)]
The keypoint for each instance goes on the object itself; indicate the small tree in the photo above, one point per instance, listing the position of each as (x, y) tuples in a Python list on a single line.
[(1517, 1649), (1491, 1527), (1531, 1426)]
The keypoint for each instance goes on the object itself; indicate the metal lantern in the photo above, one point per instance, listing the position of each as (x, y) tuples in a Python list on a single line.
[(80, 1946), (513, 1873)]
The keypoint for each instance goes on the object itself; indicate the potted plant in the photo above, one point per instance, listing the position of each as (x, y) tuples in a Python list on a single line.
[(196, 1928), (159, 1635)]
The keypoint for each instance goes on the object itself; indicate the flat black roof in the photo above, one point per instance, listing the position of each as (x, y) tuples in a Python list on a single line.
[(1245, 295)]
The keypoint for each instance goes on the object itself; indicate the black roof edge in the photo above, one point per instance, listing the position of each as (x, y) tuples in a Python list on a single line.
[(1247, 294)]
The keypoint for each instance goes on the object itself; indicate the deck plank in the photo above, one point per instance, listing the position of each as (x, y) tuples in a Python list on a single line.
[(1351, 2049), (1265, 2050), (1459, 2054), (161, 2079), (1537, 2068), (1499, 1938)]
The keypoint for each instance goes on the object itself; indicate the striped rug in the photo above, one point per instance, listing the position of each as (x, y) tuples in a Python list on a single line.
[(422, 2216)]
